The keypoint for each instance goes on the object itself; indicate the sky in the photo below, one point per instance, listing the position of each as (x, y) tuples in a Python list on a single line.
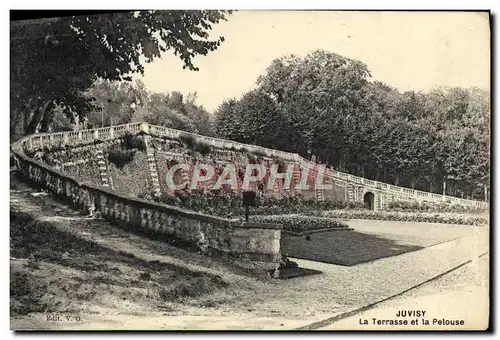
[(407, 50)]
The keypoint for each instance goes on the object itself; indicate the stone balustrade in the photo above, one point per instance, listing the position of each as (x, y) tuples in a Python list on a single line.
[(400, 192)]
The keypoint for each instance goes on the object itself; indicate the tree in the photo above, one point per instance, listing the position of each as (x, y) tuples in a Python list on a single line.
[(317, 94), (116, 102), (328, 106), (53, 61)]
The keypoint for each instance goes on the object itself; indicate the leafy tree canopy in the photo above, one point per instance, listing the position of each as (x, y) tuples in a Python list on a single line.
[(53, 61)]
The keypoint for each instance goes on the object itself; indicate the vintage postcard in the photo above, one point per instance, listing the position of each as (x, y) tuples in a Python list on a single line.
[(250, 170)]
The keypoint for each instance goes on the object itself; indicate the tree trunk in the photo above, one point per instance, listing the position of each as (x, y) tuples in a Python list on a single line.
[(413, 182), (396, 182), (444, 185), (37, 118), (47, 118), (26, 117)]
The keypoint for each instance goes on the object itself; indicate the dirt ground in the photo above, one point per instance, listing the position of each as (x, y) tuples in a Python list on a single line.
[(73, 272)]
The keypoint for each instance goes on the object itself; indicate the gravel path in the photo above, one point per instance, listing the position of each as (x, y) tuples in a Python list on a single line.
[(414, 233)]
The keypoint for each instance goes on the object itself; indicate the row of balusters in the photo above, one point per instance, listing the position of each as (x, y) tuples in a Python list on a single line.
[(128, 211)]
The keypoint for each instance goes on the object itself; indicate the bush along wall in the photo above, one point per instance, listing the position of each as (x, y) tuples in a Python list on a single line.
[(428, 207), (448, 218), (120, 157), (230, 204)]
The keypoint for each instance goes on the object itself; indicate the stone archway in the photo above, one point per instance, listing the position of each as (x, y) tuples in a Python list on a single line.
[(369, 200)]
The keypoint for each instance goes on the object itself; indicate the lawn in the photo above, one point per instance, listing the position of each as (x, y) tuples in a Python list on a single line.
[(52, 271)]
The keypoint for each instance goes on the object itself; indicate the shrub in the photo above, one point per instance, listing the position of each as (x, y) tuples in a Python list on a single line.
[(299, 224), (259, 153), (230, 204), (281, 164), (187, 140), (448, 218), (415, 206), (203, 148), (134, 142), (194, 287), (251, 159), (121, 157)]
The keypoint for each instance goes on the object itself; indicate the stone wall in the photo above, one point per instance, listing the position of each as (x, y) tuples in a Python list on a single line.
[(79, 162), (134, 178), (338, 193)]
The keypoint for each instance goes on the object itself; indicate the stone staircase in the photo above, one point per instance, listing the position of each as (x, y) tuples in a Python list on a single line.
[(296, 179), (103, 170), (153, 171)]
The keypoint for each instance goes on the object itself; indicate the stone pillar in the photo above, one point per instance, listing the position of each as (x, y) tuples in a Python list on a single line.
[(145, 127)]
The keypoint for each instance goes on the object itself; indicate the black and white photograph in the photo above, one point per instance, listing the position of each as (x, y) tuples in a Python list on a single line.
[(222, 170)]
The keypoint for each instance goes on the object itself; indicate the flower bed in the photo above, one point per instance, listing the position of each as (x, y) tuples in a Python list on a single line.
[(301, 223), (434, 207), (449, 218)]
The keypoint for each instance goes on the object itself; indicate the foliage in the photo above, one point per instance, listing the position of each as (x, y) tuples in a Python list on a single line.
[(125, 102), (230, 204), (214, 203), (298, 224), (120, 157), (434, 207), (259, 153), (188, 140), (203, 148), (72, 52), (328, 106), (251, 118), (60, 122)]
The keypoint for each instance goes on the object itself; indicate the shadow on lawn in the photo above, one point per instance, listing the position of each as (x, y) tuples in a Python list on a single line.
[(345, 248)]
